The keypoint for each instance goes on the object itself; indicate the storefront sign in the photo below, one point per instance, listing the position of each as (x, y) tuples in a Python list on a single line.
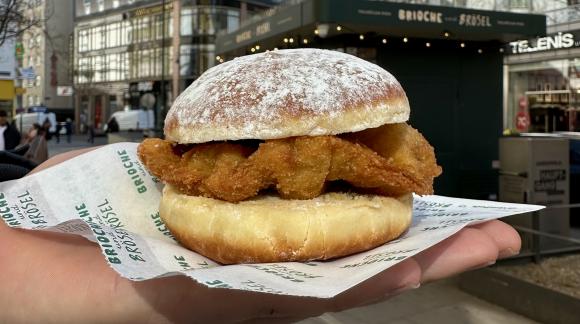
[(275, 22), (27, 73), (150, 11), (394, 19), (421, 16), (474, 20), (64, 91), (550, 42)]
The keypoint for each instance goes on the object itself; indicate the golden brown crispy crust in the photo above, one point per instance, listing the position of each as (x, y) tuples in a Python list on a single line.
[(400, 162), (270, 229)]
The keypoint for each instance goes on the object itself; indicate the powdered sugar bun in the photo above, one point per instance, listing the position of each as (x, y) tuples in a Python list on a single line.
[(277, 94)]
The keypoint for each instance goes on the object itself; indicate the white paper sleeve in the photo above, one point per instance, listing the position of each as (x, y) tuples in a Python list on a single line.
[(108, 197)]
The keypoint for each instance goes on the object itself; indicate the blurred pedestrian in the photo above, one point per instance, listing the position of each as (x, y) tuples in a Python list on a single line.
[(58, 130), (9, 135), (46, 128), (91, 131), (68, 127), (83, 120), (38, 149), (113, 126)]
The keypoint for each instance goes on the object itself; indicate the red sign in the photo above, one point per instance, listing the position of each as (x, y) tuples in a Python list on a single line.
[(522, 117), (522, 121)]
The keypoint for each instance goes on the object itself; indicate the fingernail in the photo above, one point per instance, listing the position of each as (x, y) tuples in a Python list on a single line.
[(403, 289), (509, 252)]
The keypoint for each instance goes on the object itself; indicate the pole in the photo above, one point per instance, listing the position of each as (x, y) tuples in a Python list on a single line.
[(160, 116)]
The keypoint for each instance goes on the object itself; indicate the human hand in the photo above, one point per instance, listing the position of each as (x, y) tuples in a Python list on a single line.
[(49, 277)]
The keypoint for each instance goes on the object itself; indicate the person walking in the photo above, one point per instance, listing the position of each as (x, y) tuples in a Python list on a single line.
[(68, 127), (9, 135), (91, 131), (57, 134)]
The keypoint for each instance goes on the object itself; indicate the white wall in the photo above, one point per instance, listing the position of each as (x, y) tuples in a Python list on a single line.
[(7, 60)]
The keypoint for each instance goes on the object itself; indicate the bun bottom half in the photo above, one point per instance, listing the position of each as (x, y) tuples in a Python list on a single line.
[(271, 229)]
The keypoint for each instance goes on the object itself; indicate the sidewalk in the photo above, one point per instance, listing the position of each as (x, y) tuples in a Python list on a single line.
[(77, 142), (436, 303)]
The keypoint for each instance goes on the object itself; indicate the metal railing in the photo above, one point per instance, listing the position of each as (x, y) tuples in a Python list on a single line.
[(536, 252)]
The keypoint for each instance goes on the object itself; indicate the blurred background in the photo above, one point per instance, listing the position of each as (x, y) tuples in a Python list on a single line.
[(494, 85)]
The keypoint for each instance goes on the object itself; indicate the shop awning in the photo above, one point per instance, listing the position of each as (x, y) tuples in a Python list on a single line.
[(384, 18)]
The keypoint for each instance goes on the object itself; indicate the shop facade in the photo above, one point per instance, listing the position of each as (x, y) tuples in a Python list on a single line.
[(448, 60), (141, 55), (543, 84)]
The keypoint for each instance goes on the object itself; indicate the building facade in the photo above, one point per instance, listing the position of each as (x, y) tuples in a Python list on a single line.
[(542, 77), (44, 77), (7, 76), (142, 54)]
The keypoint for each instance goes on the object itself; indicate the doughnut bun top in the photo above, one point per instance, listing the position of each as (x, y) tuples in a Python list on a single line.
[(284, 93)]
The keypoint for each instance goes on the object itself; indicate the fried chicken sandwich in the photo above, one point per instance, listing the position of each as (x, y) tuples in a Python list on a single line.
[(289, 155)]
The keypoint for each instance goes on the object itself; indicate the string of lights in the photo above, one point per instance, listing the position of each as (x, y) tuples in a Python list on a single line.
[(323, 31)]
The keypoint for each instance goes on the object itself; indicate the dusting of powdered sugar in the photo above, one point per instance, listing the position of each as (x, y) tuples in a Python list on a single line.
[(256, 96)]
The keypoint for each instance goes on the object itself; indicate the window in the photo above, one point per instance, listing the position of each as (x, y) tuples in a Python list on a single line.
[(101, 5), (519, 4), (85, 71), (185, 57), (186, 22), (158, 26), (145, 29), (97, 37), (204, 20), (113, 68), (551, 93), (113, 38), (98, 66), (38, 81), (83, 40), (87, 4), (233, 20), (115, 3), (126, 32), (195, 59)]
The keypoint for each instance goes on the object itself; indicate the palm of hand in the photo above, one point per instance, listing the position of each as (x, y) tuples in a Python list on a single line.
[(49, 277)]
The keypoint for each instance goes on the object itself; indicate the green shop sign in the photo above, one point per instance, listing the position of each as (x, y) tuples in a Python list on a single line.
[(19, 50), (393, 19)]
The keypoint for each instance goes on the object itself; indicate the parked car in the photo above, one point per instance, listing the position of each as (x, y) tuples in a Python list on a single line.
[(130, 120), (25, 121)]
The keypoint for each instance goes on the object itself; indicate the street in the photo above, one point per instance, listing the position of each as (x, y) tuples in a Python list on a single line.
[(77, 142)]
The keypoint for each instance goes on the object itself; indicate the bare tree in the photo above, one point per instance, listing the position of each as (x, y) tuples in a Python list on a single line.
[(13, 18)]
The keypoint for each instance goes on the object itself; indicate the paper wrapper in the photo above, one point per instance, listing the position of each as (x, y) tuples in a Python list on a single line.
[(108, 197)]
